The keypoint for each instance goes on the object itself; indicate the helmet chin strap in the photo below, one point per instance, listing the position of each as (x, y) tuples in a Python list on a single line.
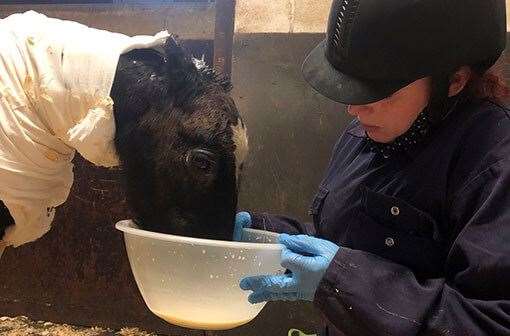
[(441, 105)]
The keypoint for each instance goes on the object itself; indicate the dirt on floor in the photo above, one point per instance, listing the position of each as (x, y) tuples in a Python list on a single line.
[(22, 326)]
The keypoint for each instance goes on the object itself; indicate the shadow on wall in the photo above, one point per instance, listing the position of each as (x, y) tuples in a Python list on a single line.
[(292, 129)]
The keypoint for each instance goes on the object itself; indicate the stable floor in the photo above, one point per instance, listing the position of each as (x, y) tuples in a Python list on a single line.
[(22, 326)]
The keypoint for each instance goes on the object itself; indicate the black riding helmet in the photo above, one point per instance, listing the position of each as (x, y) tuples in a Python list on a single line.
[(376, 47)]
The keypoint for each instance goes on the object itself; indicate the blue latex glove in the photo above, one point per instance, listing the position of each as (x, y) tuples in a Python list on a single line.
[(307, 258), (243, 220)]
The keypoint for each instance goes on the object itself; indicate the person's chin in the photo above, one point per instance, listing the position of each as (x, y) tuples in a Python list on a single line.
[(378, 136)]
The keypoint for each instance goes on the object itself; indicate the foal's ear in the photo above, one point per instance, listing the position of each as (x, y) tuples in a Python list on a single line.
[(182, 74), (149, 56), (171, 46), (178, 63)]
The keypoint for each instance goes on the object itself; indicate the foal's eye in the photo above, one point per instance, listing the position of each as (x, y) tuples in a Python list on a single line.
[(201, 159)]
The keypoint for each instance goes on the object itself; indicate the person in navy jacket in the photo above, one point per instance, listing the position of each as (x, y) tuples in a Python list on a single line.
[(411, 223)]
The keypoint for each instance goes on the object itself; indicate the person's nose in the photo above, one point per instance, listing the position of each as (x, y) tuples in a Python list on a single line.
[(359, 110)]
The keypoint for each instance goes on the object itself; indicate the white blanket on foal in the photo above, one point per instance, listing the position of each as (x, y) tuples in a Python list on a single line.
[(55, 82)]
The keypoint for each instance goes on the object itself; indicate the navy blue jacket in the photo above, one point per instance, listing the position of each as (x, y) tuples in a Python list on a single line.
[(424, 235)]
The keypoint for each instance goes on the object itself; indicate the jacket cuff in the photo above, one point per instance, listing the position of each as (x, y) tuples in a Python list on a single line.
[(335, 285), (260, 221)]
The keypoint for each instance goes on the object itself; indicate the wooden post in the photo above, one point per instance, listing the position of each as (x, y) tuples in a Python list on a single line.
[(224, 36), (2, 248)]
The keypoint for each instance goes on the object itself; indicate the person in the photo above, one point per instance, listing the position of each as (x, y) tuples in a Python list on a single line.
[(411, 223)]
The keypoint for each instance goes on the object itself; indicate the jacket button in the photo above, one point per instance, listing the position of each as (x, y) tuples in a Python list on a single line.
[(389, 242), (395, 211)]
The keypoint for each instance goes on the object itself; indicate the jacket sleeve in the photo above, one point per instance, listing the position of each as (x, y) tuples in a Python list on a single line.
[(363, 294), (280, 224)]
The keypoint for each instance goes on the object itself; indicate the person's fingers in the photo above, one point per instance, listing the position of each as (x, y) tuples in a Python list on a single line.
[(302, 244), (258, 297), (270, 283), (295, 262), (243, 220)]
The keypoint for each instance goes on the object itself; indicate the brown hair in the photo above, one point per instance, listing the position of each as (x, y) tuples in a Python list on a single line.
[(489, 84)]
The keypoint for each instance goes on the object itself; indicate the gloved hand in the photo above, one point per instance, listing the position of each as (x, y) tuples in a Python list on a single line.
[(307, 258), (243, 220)]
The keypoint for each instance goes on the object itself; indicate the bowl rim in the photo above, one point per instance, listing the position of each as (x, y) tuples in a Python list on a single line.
[(127, 226)]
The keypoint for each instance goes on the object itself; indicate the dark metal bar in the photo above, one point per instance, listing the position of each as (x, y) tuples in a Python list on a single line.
[(224, 36)]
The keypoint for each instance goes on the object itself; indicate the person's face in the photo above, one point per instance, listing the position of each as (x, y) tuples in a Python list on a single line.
[(387, 119)]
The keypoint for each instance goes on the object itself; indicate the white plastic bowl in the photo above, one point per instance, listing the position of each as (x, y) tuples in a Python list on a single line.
[(194, 283)]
